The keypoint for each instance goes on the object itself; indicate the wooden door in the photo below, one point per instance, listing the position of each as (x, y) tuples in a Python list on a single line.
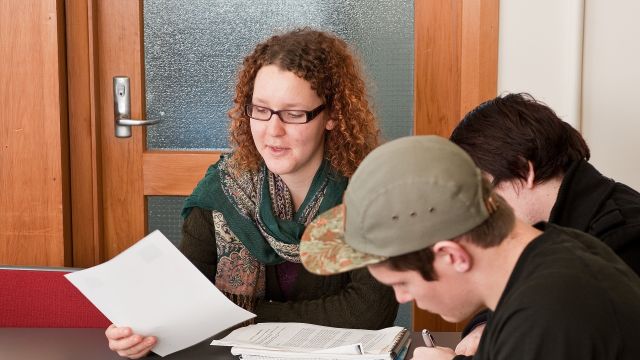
[(111, 176), (455, 68), (34, 182)]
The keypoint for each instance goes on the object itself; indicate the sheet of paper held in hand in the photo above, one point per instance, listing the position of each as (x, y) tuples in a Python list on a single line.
[(152, 288)]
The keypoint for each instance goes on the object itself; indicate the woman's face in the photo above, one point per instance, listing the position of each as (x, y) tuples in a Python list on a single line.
[(293, 151)]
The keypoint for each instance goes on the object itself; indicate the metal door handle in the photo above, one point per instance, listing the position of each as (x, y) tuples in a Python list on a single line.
[(130, 122), (122, 108)]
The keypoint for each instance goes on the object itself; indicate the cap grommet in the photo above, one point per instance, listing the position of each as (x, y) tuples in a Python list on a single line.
[(413, 214), (395, 217), (432, 209)]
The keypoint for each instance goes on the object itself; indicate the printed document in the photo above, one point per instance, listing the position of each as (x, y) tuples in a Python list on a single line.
[(300, 340), (152, 288)]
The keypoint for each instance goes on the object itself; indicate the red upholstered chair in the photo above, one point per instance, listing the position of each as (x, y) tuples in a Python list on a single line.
[(43, 297)]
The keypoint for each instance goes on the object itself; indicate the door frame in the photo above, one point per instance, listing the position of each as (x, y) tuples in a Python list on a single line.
[(455, 68)]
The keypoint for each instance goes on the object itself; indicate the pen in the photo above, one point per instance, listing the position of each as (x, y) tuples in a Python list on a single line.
[(428, 338)]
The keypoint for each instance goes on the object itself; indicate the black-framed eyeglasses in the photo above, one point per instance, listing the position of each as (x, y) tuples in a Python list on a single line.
[(262, 113)]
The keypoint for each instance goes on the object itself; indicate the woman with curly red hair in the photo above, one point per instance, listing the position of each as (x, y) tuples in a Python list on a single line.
[(300, 125)]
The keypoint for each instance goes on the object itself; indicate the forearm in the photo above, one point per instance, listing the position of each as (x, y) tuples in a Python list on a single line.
[(198, 242), (362, 303)]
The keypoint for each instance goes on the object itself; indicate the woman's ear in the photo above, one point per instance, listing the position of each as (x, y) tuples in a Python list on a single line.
[(330, 125), (453, 255)]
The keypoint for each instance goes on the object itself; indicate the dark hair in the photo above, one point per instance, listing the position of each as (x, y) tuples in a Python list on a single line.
[(502, 134), (327, 63), (488, 234)]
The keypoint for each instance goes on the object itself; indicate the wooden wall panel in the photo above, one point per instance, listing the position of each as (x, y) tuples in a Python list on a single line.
[(479, 54), (456, 67), (34, 192), (437, 66), (84, 134)]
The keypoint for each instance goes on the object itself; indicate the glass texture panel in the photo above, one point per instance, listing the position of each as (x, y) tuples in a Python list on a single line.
[(164, 215), (194, 48)]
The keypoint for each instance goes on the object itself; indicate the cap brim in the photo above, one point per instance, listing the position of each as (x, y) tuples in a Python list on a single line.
[(323, 249)]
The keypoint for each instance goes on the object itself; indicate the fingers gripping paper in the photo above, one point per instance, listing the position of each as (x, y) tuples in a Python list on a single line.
[(152, 288)]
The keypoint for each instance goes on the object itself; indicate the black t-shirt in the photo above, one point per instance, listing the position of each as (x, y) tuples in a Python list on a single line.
[(590, 202), (568, 297)]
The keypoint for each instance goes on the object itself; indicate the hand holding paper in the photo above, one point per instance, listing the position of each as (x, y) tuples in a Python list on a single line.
[(152, 288), (125, 343)]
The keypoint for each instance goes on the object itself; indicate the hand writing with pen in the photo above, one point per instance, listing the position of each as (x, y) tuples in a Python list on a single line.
[(430, 351)]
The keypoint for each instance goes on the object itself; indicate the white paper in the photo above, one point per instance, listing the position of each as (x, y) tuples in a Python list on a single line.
[(260, 354), (257, 354), (286, 340), (152, 288), (351, 349)]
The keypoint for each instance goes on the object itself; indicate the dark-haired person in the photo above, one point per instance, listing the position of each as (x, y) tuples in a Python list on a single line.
[(439, 235), (539, 164), (300, 125)]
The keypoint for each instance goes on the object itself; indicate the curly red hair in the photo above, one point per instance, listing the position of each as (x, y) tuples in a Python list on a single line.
[(327, 63)]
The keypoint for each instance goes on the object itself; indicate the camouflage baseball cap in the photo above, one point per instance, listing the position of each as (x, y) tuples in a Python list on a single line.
[(405, 196)]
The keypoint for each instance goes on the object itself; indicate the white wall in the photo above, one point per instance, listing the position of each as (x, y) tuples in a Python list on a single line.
[(540, 52), (582, 58), (611, 88)]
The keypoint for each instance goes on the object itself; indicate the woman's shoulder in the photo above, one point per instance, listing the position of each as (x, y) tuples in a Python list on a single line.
[(219, 182), (212, 175), (205, 192)]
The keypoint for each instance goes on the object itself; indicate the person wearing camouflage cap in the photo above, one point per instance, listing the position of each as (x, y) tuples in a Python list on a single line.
[(420, 216)]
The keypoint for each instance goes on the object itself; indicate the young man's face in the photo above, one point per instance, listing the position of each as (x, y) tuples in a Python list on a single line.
[(444, 296)]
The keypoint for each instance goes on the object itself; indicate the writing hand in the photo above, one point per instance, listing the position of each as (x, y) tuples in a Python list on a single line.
[(433, 353)]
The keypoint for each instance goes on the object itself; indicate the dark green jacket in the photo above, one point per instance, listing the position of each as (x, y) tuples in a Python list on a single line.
[(351, 300)]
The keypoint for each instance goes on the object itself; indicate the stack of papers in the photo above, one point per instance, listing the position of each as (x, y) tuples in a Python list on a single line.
[(306, 341)]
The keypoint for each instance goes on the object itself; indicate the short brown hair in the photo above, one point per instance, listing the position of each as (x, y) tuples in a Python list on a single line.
[(503, 134), (327, 63), (488, 234)]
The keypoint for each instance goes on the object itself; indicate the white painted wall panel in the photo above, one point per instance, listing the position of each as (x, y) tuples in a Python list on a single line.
[(540, 52), (611, 92)]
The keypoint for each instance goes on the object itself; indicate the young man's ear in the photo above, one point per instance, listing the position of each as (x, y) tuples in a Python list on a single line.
[(531, 176), (453, 255)]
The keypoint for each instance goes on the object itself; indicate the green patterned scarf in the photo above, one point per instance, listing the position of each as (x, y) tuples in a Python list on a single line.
[(255, 223)]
